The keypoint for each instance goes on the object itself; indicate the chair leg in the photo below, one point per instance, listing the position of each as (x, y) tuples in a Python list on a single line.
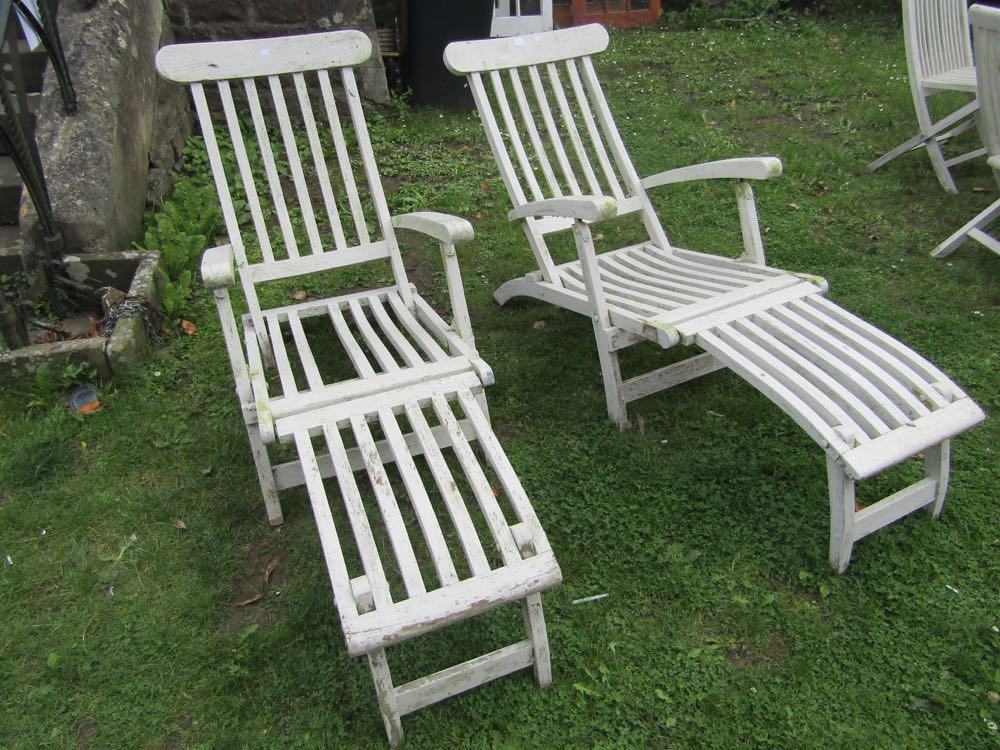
[(937, 466), (480, 397), (386, 693), (841, 515), (940, 167), (982, 220), (265, 476), (612, 375), (534, 624)]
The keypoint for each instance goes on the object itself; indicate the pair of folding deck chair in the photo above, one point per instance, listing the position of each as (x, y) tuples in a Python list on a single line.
[(412, 404), (938, 59), (373, 388), (986, 31)]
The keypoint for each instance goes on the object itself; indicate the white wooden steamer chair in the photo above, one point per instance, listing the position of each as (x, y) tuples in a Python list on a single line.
[(866, 399), (938, 59), (416, 393), (986, 30)]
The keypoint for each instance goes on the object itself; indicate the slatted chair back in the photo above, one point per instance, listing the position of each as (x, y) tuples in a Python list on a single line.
[(549, 126), (986, 31), (936, 35), (286, 137)]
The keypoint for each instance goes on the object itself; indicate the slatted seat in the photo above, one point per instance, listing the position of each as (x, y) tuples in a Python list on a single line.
[(866, 399), (938, 58), (383, 343), (986, 28), (382, 398)]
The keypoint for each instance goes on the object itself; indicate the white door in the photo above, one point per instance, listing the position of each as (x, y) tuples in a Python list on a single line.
[(515, 17)]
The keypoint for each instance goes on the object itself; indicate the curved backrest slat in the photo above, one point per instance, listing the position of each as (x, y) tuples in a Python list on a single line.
[(986, 31), (254, 58), (480, 56)]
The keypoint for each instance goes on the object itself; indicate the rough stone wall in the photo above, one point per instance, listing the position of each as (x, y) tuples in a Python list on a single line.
[(97, 161), (199, 20)]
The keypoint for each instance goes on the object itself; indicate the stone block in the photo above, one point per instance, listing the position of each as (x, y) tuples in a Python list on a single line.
[(96, 161)]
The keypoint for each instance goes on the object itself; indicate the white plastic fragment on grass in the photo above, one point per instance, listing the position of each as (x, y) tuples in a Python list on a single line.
[(588, 599), (952, 589)]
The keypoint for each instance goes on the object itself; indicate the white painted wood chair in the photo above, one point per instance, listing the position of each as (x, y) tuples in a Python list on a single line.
[(938, 58), (986, 28), (866, 399), (511, 18), (381, 398)]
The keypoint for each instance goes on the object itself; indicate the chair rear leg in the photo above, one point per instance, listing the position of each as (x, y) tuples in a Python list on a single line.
[(612, 375), (937, 466), (534, 624), (940, 167), (842, 502), (265, 475), (386, 693)]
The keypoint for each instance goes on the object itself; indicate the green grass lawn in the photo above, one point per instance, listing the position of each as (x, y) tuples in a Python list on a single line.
[(724, 626)]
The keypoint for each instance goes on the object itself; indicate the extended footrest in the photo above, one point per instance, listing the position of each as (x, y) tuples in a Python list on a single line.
[(868, 400), (423, 534)]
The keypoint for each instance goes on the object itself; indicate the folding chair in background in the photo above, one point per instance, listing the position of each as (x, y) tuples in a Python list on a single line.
[(986, 28), (938, 59)]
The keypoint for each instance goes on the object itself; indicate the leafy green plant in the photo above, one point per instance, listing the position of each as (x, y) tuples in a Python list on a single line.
[(49, 385)]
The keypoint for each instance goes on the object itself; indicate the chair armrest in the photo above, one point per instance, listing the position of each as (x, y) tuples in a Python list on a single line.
[(589, 208), (751, 168), (994, 161), (217, 271), (442, 227)]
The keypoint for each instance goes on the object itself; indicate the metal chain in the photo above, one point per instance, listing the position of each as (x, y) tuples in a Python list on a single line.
[(129, 308)]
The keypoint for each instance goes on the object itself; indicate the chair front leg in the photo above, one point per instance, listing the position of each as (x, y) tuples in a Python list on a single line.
[(600, 317), (456, 293), (753, 245)]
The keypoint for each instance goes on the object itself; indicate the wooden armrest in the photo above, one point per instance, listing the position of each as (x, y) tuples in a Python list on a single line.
[(217, 271), (442, 227), (589, 208), (751, 168)]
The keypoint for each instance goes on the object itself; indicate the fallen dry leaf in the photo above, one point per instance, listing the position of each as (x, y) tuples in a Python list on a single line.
[(252, 600), (497, 492), (858, 507), (793, 205), (823, 190), (538, 325), (478, 214), (641, 423), (179, 524), (731, 104), (269, 568), (598, 237), (189, 328), (485, 185), (300, 295)]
